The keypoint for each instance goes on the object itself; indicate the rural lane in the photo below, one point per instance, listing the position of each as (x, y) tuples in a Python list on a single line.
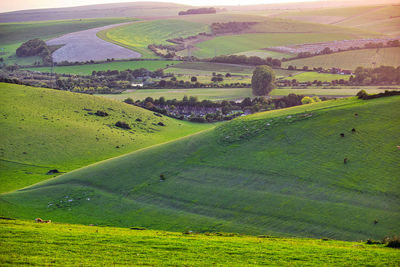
[(85, 45)]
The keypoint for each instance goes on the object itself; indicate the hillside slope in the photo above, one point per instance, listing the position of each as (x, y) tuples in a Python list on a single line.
[(279, 172), (116, 246), (43, 129)]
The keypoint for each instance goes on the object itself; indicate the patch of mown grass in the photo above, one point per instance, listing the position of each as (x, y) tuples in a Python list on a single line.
[(45, 129), (138, 36), (273, 173), (26, 242)]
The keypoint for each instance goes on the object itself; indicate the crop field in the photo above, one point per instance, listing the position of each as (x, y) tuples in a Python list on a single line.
[(351, 59), (138, 36), (45, 129), (119, 65), (13, 34), (324, 77), (216, 67), (387, 26), (233, 44), (329, 15), (58, 246), (256, 175), (377, 14)]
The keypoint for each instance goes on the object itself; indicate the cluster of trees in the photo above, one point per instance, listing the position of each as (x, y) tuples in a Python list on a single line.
[(130, 75), (242, 59), (230, 27), (383, 75), (204, 10), (35, 47), (190, 108), (165, 51)]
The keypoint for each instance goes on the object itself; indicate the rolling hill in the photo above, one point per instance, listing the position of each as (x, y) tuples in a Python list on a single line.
[(44, 129), (30, 243), (279, 173), (351, 59)]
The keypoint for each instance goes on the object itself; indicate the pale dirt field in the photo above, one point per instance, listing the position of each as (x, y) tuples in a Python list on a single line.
[(85, 45)]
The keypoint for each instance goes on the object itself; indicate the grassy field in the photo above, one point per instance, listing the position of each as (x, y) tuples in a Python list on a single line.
[(25, 242), (12, 35), (265, 54), (236, 93), (351, 59), (271, 173), (88, 68), (45, 129), (324, 77), (234, 44), (138, 36)]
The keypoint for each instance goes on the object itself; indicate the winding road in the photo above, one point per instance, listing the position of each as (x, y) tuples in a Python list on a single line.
[(85, 46)]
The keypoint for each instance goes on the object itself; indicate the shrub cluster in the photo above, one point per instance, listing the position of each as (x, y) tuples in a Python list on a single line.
[(204, 10), (242, 59)]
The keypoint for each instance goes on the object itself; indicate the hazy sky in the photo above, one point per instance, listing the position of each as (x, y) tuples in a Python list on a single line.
[(11, 5)]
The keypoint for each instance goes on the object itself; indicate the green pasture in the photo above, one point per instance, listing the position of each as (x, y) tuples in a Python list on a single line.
[(310, 76), (87, 69), (138, 36), (351, 59), (218, 94), (28, 243), (44, 129), (273, 173), (233, 44)]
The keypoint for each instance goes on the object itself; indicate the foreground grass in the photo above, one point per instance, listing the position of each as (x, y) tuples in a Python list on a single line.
[(45, 129), (26, 242), (277, 173)]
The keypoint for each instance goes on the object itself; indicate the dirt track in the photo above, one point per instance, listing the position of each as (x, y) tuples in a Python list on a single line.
[(85, 45)]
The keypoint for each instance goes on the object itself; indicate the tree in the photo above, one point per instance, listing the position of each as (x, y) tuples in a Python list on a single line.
[(263, 80), (193, 79)]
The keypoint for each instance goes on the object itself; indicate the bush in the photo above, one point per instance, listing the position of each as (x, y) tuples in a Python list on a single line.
[(393, 242), (123, 125), (307, 100), (362, 94)]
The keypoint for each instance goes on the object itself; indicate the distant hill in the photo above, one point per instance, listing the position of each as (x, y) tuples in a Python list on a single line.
[(277, 173), (134, 9)]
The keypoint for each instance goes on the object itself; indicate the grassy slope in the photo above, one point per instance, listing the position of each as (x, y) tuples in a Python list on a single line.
[(262, 174), (44, 129), (61, 244), (13, 34), (138, 36), (351, 59), (88, 68)]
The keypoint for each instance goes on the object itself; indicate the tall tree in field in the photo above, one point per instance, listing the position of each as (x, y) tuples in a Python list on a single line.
[(262, 81)]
